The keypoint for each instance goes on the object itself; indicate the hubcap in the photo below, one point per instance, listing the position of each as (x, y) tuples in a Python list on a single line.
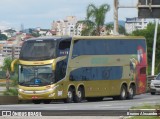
[(70, 94), (79, 94), (123, 93), (131, 91)]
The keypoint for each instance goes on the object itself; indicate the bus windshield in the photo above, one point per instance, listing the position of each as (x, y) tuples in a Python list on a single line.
[(38, 50), (36, 75)]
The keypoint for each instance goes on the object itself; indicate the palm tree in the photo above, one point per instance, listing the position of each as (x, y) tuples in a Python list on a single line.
[(95, 19), (97, 15), (110, 27), (7, 68), (88, 27)]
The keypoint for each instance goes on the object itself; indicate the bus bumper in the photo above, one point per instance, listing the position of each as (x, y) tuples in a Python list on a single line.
[(35, 95)]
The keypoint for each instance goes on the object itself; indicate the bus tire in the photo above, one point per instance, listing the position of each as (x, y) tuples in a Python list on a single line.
[(70, 96), (153, 93), (123, 93), (36, 101), (79, 96), (131, 92)]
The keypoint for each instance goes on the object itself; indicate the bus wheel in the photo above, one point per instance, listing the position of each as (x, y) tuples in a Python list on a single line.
[(70, 95), (153, 93), (47, 101), (131, 92), (80, 95), (123, 93), (36, 101)]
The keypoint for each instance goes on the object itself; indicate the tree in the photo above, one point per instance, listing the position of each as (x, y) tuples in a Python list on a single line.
[(88, 27), (148, 33), (95, 19), (110, 27), (7, 68), (3, 37)]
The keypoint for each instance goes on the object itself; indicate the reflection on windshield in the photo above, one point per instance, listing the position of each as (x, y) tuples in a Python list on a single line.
[(36, 75)]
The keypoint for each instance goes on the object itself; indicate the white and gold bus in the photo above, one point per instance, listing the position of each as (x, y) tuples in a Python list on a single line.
[(89, 67)]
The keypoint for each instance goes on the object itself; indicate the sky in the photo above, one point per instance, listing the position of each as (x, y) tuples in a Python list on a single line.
[(41, 13)]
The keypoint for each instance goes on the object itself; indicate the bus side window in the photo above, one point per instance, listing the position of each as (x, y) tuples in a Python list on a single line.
[(64, 48)]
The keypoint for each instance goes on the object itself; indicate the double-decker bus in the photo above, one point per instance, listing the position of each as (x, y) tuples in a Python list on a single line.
[(97, 67)]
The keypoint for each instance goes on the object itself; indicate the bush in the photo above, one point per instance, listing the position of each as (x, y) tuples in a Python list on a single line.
[(11, 92), (14, 79)]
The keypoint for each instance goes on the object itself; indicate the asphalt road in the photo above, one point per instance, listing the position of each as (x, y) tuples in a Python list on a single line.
[(106, 104)]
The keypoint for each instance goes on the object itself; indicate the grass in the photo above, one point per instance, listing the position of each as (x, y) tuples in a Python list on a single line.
[(147, 106), (145, 117)]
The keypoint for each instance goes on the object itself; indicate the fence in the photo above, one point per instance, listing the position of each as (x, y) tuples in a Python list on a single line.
[(149, 78)]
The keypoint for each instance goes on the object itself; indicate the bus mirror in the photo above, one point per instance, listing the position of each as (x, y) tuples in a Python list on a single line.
[(21, 69), (13, 64)]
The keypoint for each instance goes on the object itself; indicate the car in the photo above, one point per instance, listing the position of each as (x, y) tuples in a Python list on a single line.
[(155, 85)]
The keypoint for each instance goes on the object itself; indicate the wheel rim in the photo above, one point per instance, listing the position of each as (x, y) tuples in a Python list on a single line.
[(123, 93), (79, 94), (131, 91), (70, 94)]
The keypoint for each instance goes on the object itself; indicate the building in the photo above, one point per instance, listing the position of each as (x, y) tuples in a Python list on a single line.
[(11, 50), (9, 33), (135, 23), (67, 27)]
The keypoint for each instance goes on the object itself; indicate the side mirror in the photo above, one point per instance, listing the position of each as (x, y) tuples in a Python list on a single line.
[(13, 64)]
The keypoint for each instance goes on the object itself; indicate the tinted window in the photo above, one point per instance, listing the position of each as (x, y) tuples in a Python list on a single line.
[(38, 50), (97, 73), (64, 47), (106, 47)]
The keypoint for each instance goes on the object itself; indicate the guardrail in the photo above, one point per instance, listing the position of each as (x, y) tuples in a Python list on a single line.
[(149, 78)]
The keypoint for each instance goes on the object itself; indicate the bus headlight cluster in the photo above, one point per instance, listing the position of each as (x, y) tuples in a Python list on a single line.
[(20, 90)]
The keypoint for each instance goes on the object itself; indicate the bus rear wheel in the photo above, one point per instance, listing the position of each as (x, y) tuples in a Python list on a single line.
[(70, 96), (131, 92), (123, 93), (79, 96)]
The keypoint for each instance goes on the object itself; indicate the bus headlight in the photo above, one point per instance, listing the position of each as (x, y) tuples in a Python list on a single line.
[(20, 90)]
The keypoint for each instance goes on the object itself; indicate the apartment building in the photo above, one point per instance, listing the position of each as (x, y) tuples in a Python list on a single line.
[(135, 23), (67, 27), (10, 50)]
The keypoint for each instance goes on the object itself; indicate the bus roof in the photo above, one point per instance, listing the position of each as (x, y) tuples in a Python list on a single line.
[(56, 38), (108, 37)]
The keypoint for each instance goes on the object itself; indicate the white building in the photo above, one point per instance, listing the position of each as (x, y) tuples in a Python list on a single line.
[(67, 27), (135, 23)]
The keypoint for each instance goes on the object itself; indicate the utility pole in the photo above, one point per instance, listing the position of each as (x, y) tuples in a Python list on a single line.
[(116, 3), (116, 7), (154, 48)]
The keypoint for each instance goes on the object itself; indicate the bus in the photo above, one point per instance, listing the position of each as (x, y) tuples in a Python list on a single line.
[(95, 67)]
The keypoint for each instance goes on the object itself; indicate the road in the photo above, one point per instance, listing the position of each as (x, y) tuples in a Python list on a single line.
[(106, 104), (107, 107)]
